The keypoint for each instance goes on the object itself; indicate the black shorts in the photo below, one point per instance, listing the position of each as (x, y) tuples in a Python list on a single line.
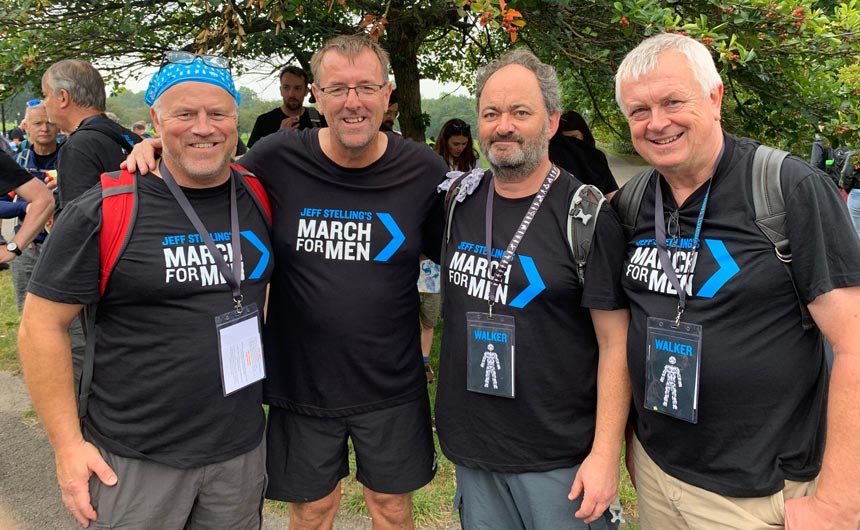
[(307, 456)]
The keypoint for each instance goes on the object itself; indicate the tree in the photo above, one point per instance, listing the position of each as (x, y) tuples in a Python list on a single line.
[(122, 36), (789, 65), (780, 60)]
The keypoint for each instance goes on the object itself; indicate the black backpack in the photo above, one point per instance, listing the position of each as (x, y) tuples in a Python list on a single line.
[(849, 175)]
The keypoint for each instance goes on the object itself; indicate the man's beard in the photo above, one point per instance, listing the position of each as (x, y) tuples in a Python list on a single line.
[(516, 167), (293, 104)]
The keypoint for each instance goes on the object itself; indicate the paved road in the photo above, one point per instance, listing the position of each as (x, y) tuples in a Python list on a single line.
[(625, 168)]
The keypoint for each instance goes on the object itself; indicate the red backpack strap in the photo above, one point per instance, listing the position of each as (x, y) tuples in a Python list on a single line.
[(119, 210), (257, 191)]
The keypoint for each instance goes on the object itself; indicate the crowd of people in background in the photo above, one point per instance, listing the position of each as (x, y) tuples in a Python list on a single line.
[(185, 280)]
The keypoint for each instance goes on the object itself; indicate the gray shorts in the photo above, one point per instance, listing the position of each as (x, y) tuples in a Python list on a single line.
[(520, 501), (223, 496), (431, 306)]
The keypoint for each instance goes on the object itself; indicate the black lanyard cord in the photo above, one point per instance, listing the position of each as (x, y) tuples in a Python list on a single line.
[(232, 275)]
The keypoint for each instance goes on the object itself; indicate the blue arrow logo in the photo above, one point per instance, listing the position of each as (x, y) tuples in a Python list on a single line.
[(264, 254), (535, 286), (728, 268), (397, 237)]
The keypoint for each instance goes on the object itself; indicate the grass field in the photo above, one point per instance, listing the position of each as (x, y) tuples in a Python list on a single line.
[(432, 503)]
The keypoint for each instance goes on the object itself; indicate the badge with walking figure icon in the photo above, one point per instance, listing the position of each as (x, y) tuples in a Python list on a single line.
[(672, 368), (490, 355)]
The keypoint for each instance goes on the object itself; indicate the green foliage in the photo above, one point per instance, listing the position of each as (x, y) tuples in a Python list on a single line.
[(780, 60), (445, 108), (789, 66)]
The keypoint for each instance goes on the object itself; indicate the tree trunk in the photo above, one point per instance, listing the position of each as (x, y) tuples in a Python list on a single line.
[(403, 48)]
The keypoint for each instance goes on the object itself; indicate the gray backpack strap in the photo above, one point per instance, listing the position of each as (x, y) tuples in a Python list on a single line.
[(582, 221), (628, 200), (768, 200), (769, 206), (314, 115)]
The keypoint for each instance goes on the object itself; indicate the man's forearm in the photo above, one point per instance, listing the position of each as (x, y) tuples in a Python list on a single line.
[(838, 482), (613, 381), (45, 350), (41, 204)]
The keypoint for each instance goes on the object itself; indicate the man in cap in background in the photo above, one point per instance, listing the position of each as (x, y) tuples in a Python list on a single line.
[(173, 430)]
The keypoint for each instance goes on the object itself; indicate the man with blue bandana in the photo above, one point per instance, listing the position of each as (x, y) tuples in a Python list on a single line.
[(171, 436), (353, 208)]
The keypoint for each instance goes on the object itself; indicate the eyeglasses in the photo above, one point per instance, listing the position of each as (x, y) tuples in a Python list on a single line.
[(34, 102), (180, 57), (342, 92), (456, 128)]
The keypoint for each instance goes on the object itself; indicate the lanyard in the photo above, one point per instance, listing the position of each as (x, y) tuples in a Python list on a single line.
[(508, 256), (663, 252), (232, 277)]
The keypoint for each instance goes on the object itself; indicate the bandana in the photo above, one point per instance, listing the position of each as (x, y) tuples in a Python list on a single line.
[(173, 73)]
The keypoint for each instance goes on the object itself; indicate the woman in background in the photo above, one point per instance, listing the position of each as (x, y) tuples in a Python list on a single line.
[(574, 149), (454, 143)]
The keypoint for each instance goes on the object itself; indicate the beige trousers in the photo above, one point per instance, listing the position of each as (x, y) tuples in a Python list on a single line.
[(666, 503)]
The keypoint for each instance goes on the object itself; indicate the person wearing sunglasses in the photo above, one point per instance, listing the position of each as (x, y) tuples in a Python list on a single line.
[(454, 144), (39, 158), (353, 208), (15, 179), (171, 428)]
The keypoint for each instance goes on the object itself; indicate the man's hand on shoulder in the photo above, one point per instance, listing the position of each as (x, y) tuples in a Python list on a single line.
[(811, 513), (597, 482), (143, 157), (75, 464)]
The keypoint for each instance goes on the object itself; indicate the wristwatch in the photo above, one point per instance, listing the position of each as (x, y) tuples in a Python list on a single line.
[(13, 248)]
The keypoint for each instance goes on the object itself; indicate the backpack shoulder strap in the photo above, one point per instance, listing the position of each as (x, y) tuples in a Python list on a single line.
[(123, 137), (628, 200), (258, 193), (768, 200), (769, 205), (314, 115), (451, 203), (582, 220), (119, 210)]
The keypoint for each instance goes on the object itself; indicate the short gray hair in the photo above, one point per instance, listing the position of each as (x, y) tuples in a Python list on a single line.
[(83, 83), (643, 59), (546, 77), (350, 46)]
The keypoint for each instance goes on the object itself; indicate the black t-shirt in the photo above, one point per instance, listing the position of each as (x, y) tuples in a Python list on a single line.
[(11, 174), (550, 424), (88, 152), (586, 163), (270, 122), (156, 390), (763, 383), (342, 335)]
